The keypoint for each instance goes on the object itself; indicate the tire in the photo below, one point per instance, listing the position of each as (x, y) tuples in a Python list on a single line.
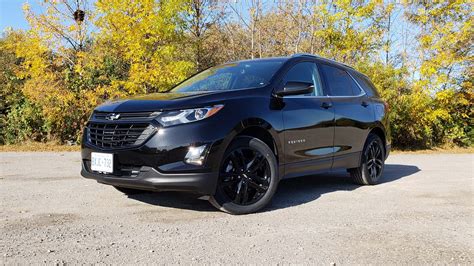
[(371, 164), (128, 191), (248, 177)]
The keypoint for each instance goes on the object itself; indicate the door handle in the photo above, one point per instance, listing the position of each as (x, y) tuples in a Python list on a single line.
[(364, 103), (326, 105)]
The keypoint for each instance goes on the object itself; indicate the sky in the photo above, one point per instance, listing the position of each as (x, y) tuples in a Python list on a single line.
[(11, 13)]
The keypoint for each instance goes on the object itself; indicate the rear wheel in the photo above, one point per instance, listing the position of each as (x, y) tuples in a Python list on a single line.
[(128, 191), (372, 162), (247, 178)]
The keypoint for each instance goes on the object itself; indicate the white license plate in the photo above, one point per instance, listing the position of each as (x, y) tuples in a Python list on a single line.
[(102, 162)]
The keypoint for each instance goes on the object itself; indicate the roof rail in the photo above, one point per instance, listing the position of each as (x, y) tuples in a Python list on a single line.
[(304, 54), (320, 57)]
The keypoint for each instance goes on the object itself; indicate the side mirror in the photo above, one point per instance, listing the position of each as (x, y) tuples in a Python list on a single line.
[(295, 88)]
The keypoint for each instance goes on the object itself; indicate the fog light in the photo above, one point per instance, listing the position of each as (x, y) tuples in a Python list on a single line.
[(196, 155)]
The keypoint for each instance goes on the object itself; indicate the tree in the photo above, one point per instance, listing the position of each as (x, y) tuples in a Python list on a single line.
[(351, 30), (445, 55), (50, 53), (146, 35), (201, 19), (249, 19), (446, 36)]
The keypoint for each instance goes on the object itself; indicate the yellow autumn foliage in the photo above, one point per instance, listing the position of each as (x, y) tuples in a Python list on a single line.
[(53, 74)]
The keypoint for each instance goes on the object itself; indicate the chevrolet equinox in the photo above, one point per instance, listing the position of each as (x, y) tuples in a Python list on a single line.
[(233, 131)]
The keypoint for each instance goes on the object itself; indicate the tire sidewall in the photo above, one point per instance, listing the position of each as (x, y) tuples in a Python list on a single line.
[(222, 200), (365, 171)]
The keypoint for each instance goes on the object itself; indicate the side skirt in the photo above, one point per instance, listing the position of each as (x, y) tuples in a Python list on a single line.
[(350, 160), (308, 167)]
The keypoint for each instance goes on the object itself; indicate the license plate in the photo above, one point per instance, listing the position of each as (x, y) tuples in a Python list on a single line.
[(102, 162)]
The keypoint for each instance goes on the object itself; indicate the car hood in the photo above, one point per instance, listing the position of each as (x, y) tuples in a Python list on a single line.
[(160, 101)]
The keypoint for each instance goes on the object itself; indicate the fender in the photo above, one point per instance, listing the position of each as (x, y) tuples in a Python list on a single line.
[(247, 123), (381, 126)]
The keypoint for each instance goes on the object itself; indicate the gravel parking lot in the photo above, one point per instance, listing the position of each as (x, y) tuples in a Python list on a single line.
[(423, 212)]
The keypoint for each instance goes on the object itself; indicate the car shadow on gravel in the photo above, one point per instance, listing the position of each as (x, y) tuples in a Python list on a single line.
[(173, 199), (300, 190), (291, 192)]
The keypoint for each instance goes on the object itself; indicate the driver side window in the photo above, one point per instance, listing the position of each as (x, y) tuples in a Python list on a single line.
[(306, 72)]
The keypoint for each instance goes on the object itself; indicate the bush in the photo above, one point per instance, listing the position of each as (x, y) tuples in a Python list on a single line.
[(24, 121)]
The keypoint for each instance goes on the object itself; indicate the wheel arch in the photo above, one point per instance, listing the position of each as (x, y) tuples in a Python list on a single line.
[(380, 132), (258, 128), (261, 134)]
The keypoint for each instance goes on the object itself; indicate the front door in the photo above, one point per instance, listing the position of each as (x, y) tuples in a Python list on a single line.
[(309, 124)]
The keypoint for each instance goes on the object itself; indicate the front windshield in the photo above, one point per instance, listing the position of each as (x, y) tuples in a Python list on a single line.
[(232, 76)]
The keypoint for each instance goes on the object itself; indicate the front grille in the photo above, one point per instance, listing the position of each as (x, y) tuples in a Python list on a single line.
[(126, 116), (112, 136)]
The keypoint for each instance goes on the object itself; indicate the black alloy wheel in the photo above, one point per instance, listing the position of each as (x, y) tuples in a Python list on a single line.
[(247, 177), (372, 162)]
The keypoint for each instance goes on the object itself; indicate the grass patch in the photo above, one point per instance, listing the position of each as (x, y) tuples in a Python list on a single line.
[(456, 150), (38, 147)]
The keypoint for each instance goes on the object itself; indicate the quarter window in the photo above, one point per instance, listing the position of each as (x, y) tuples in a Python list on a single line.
[(339, 82), (367, 85), (306, 72)]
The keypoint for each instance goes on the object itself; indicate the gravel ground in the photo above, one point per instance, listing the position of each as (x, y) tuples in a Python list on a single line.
[(423, 212)]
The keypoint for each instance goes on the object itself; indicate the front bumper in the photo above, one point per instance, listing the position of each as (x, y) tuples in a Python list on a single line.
[(158, 164), (148, 178)]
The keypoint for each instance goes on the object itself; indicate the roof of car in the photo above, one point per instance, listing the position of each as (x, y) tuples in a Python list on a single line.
[(299, 55), (281, 59)]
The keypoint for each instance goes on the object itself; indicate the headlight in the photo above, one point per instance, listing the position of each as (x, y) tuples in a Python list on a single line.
[(187, 116)]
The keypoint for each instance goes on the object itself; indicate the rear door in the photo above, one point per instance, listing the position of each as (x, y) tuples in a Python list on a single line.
[(353, 115), (308, 122)]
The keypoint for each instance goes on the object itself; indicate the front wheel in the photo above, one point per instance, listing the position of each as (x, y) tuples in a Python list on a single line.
[(248, 177), (372, 162)]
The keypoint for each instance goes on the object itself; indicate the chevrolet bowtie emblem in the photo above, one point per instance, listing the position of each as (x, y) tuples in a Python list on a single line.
[(112, 116)]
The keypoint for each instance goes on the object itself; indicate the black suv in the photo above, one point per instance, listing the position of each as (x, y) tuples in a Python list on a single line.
[(233, 131)]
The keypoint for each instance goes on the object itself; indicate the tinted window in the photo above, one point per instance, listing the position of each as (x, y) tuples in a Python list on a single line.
[(306, 72), (339, 82), (366, 84), (233, 76)]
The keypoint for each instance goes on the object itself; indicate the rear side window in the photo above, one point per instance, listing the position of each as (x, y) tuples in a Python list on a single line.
[(366, 84), (339, 82)]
